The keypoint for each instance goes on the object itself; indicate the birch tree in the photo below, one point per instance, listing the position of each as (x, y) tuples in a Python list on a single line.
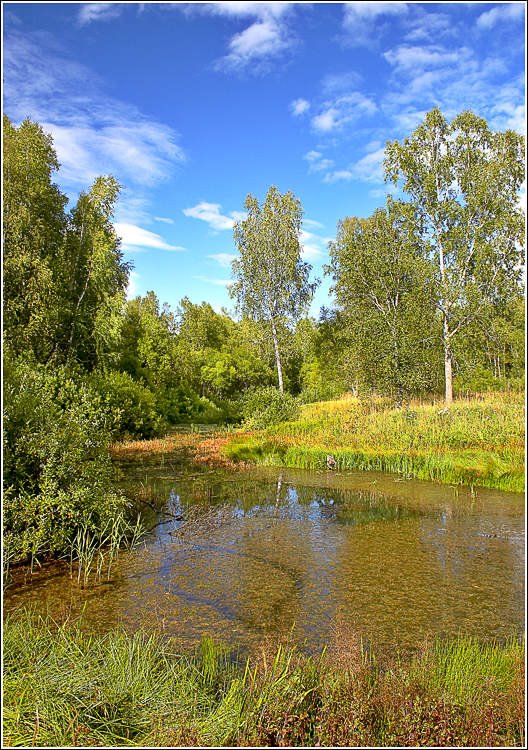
[(271, 280), (463, 180), (383, 288)]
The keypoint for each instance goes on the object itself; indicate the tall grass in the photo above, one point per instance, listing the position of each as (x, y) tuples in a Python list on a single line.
[(477, 441), (92, 554), (63, 687)]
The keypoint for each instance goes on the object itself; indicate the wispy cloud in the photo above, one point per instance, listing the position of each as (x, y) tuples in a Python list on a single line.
[(317, 162), (360, 18), (313, 224), (260, 41), (453, 79), (135, 239), (501, 13), (335, 114), (408, 57), (267, 38), (313, 246), (164, 219), (93, 133), (216, 282), (132, 287), (337, 83), (89, 12), (367, 169), (210, 213)]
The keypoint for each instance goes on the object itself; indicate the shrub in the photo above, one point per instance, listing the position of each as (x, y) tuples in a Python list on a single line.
[(134, 406), (268, 406), (58, 475)]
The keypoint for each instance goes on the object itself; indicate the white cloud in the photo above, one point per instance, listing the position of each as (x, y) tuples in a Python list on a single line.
[(370, 167), (238, 9), (361, 19), (93, 133), (317, 162), (369, 10), (164, 219), (299, 106), (135, 238), (313, 246), (342, 111), (502, 12), (407, 57), (99, 12), (454, 80), (210, 213), (262, 40), (367, 169), (266, 38), (340, 174), (223, 259), (427, 26), (313, 224), (337, 83)]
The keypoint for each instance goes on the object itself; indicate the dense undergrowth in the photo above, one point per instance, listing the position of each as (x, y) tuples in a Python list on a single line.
[(63, 687), (476, 441)]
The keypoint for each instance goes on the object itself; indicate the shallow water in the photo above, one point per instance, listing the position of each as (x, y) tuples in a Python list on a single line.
[(241, 555)]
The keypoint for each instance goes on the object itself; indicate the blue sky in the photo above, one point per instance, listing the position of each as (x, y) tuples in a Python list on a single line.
[(194, 105)]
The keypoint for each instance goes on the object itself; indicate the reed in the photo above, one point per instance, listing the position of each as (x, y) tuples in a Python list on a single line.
[(91, 553), (64, 687)]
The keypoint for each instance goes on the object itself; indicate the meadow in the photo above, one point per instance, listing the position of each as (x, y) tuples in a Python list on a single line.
[(477, 441)]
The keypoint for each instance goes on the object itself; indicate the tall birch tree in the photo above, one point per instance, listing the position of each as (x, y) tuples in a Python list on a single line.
[(463, 180), (272, 283)]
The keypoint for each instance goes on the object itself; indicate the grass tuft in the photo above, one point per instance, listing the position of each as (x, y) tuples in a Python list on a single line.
[(63, 687)]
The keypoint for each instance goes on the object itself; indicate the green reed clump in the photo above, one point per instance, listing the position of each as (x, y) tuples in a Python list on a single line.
[(63, 687)]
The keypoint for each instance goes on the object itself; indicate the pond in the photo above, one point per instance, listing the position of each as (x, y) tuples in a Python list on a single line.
[(315, 556)]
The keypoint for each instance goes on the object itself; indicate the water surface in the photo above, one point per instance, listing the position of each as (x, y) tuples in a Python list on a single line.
[(323, 555)]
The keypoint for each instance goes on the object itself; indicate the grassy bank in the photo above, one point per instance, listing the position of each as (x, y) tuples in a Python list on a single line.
[(477, 441), (66, 688)]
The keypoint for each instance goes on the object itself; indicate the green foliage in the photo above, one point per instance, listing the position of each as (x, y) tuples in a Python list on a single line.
[(271, 280), (463, 181), (58, 476), (475, 442), (93, 275), (133, 406), (268, 406), (384, 290), (34, 225)]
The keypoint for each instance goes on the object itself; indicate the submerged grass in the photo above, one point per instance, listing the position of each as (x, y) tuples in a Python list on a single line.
[(477, 441), (63, 687)]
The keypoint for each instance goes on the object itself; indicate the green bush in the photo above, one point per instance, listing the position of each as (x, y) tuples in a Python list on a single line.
[(268, 406), (134, 406), (58, 476)]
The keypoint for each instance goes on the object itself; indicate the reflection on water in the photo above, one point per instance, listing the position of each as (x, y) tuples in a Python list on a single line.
[(239, 555)]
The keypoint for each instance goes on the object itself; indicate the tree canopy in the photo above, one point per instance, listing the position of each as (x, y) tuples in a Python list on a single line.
[(463, 180)]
